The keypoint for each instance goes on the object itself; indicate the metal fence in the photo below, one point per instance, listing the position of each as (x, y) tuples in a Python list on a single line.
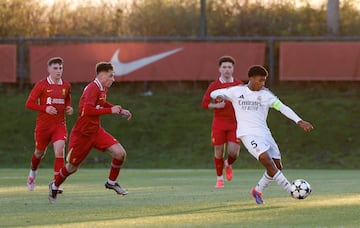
[(23, 44)]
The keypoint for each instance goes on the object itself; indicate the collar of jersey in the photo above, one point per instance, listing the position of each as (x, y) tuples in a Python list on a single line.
[(51, 82), (221, 79), (97, 82)]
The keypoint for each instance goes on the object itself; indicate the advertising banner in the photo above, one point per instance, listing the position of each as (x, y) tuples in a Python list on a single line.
[(8, 63), (147, 61), (320, 61)]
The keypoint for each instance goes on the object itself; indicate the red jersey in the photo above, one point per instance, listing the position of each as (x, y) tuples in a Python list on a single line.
[(226, 113), (47, 93), (92, 104)]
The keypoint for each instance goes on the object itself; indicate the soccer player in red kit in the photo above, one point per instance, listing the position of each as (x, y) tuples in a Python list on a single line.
[(223, 132), (87, 132), (51, 98)]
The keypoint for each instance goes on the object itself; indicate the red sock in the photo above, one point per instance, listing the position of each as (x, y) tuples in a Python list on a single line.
[(115, 169), (58, 163), (60, 178), (231, 159), (35, 162), (219, 166)]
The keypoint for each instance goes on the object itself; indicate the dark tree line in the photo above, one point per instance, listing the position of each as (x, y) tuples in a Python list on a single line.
[(33, 18)]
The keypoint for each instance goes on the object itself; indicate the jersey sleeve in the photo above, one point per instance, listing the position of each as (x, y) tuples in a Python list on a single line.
[(286, 111), (108, 105), (32, 101), (226, 93), (269, 98), (206, 98), (90, 97), (68, 100)]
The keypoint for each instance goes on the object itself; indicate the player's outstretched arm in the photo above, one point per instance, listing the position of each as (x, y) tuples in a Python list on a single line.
[(289, 113), (117, 109), (126, 113), (219, 95), (305, 125), (286, 111), (219, 103)]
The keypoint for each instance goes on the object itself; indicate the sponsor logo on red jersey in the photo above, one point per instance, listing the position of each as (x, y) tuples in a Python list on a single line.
[(50, 100)]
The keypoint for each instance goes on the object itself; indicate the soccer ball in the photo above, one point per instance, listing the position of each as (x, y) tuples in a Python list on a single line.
[(300, 189)]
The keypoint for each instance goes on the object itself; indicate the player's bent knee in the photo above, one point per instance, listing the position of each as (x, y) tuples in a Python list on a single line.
[(59, 154), (234, 153), (219, 151), (71, 168), (268, 163), (117, 151), (278, 163), (40, 153), (123, 155), (119, 155)]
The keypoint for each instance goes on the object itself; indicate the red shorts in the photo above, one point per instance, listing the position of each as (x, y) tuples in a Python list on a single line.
[(80, 145), (43, 136), (223, 132)]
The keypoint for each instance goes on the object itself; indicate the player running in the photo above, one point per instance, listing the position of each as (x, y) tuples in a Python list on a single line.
[(251, 104), (223, 132), (87, 132), (51, 98)]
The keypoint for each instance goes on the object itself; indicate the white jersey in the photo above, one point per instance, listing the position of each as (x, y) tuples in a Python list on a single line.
[(251, 108)]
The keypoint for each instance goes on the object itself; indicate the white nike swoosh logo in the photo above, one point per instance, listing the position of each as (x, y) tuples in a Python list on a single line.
[(122, 69)]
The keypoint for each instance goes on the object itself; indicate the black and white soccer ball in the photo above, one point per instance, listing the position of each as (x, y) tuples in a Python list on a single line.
[(300, 189)]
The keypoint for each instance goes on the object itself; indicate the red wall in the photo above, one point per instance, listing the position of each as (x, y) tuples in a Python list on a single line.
[(189, 60), (320, 61), (7, 63)]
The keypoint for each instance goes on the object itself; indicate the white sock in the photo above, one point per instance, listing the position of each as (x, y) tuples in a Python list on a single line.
[(53, 187), (282, 181), (111, 182), (220, 178), (264, 182), (32, 173)]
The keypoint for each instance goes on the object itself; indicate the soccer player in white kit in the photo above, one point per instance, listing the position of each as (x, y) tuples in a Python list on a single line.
[(251, 104)]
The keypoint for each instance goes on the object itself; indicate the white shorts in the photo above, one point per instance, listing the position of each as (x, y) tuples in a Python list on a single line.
[(257, 145)]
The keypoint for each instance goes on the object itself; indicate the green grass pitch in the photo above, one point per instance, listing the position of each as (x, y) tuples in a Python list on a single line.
[(179, 198)]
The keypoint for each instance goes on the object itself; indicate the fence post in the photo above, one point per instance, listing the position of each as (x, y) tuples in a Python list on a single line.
[(21, 63), (271, 61), (202, 19)]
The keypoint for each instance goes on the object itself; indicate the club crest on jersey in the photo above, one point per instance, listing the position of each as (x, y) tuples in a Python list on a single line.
[(63, 91)]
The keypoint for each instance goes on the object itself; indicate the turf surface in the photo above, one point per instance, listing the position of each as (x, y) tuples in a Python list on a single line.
[(179, 198)]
